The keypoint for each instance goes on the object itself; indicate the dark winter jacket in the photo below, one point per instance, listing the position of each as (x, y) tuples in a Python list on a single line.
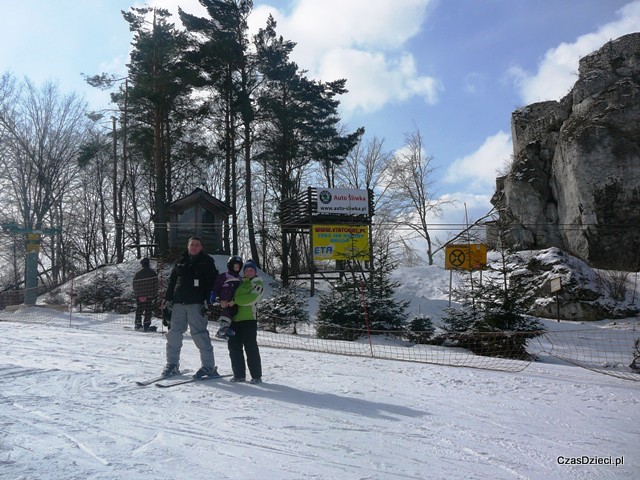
[(224, 288), (191, 279), (145, 283)]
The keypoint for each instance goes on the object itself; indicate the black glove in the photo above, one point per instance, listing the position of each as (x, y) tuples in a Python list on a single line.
[(166, 313), (212, 311)]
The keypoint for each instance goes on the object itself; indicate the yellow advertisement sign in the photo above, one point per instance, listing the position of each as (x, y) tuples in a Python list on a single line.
[(340, 242), (465, 256)]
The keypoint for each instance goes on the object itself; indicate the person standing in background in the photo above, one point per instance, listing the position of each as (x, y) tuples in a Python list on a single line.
[(145, 289)]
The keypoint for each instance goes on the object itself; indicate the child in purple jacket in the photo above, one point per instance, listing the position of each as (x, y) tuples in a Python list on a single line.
[(224, 287)]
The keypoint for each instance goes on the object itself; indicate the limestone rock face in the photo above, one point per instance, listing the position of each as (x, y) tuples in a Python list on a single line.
[(575, 179), (586, 294)]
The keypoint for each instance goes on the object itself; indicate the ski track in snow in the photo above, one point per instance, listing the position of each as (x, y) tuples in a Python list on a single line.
[(69, 408)]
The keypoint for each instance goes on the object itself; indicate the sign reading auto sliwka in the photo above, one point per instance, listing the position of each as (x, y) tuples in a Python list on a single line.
[(344, 201)]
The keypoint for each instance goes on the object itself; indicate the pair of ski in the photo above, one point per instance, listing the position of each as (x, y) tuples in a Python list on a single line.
[(157, 381)]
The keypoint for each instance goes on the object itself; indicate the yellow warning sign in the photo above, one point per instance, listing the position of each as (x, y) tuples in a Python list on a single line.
[(33, 242), (33, 247), (465, 256)]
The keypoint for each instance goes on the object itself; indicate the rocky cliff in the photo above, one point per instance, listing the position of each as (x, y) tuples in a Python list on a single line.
[(575, 178)]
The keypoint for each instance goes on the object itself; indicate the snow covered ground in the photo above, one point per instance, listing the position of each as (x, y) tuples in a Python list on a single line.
[(70, 409)]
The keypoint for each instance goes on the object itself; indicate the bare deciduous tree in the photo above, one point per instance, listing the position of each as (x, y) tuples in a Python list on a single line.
[(369, 166), (40, 133), (366, 166), (411, 185)]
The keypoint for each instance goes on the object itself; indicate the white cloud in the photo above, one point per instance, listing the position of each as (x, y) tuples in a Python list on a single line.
[(477, 171), (557, 71), (368, 24), (359, 40), (396, 79), (465, 207)]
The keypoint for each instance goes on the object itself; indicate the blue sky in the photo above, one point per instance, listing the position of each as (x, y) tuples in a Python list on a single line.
[(454, 69)]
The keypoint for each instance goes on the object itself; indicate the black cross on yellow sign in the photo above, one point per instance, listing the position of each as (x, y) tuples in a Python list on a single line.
[(465, 256)]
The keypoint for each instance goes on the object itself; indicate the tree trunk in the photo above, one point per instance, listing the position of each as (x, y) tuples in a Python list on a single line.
[(122, 185), (228, 180), (285, 260), (117, 197), (160, 222), (249, 200), (234, 184)]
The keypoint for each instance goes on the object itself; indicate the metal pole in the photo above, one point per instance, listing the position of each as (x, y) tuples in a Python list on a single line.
[(312, 268), (31, 278)]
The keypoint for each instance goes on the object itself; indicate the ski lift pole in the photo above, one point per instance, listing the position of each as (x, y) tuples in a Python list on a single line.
[(366, 316), (32, 247), (71, 298)]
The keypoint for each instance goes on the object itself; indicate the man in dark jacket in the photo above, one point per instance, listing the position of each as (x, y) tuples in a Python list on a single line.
[(189, 287), (145, 289)]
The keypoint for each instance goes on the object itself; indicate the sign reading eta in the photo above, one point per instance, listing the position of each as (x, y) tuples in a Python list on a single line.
[(341, 242), (465, 256)]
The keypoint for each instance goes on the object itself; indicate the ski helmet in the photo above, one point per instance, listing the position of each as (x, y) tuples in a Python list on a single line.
[(233, 260)]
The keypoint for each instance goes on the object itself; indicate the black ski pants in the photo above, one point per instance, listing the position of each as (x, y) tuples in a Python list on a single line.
[(144, 308), (246, 332)]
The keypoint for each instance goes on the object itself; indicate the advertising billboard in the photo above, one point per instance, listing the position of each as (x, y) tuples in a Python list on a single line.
[(343, 201), (340, 242)]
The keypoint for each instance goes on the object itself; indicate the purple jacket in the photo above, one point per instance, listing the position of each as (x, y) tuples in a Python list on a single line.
[(224, 288)]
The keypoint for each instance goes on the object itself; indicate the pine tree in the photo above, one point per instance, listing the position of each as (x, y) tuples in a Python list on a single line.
[(340, 313), (283, 309), (299, 125), (356, 307), (492, 318), (219, 52), (420, 329), (385, 312), (160, 83), (104, 292)]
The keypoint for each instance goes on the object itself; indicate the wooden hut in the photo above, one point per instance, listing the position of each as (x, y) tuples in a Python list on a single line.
[(199, 214)]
